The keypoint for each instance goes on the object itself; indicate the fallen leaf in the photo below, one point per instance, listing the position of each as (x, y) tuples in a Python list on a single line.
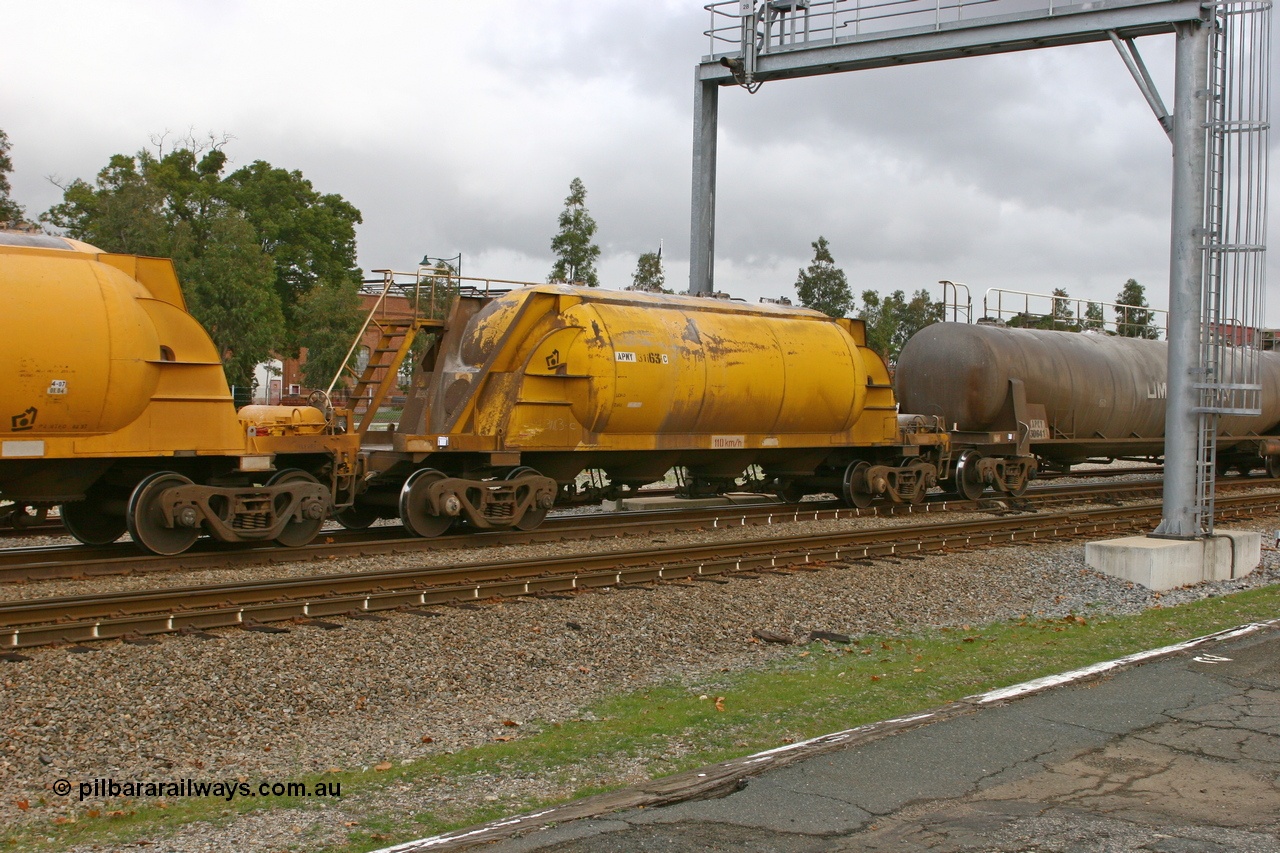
[(350, 823), (385, 765), (875, 678), (918, 669), (510, 723), (804, 654), (60, 819), (504, 738), (428, 739), (719, 703), (22, 804)]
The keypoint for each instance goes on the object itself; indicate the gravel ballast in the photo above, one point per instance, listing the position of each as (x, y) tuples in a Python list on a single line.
[(274, 706)]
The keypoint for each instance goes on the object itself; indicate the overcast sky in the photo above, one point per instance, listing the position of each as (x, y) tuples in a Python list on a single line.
[(457, 127)]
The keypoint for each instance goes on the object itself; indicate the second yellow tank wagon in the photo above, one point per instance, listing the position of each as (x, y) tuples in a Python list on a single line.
[(520, 393)]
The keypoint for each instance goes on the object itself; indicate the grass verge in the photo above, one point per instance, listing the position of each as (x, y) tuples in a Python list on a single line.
[(665, 729)]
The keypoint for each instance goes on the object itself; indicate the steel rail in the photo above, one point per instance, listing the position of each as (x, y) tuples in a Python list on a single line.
[(83, 618)]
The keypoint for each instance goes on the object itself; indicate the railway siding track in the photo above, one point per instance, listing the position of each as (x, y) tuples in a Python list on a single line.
[(25, 624)]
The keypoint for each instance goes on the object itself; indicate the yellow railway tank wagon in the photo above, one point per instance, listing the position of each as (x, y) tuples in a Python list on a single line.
[(116, 407), (522, 392)]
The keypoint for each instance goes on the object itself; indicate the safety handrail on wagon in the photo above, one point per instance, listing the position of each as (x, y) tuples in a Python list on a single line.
[(388, 279), (486, 287), (996, 309)]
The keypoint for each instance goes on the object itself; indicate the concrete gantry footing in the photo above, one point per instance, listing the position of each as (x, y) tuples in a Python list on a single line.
[(1161, 564)]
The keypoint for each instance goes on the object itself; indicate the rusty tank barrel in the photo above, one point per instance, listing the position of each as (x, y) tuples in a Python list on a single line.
[(1091, 385)]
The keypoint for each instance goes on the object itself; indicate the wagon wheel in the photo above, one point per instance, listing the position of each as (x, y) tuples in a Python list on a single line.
[(535, 515), (296, 532), (145, 516), (356, 517), (1273, 466), (968, 482), (88, 520), (855, 490), (414, 512)]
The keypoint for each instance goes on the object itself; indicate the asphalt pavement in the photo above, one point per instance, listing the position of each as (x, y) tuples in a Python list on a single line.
[(1174, 751)]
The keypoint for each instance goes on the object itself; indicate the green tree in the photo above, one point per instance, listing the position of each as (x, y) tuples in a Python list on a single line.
[(122, 211), (892, 320), (576, 254), (649, 275), (1133, 317), (311, 240), (10, 211), (1094, 320), (823, 285), (221, 233), (226, 278), (329, 318), (1061, 316)]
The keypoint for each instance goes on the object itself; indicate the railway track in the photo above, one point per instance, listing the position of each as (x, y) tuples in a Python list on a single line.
[(54, 562), (253, 604), (31, 526)]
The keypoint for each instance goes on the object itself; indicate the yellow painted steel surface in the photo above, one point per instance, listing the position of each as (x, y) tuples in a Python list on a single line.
[(283, 420), (555, 367), (102, 359)]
